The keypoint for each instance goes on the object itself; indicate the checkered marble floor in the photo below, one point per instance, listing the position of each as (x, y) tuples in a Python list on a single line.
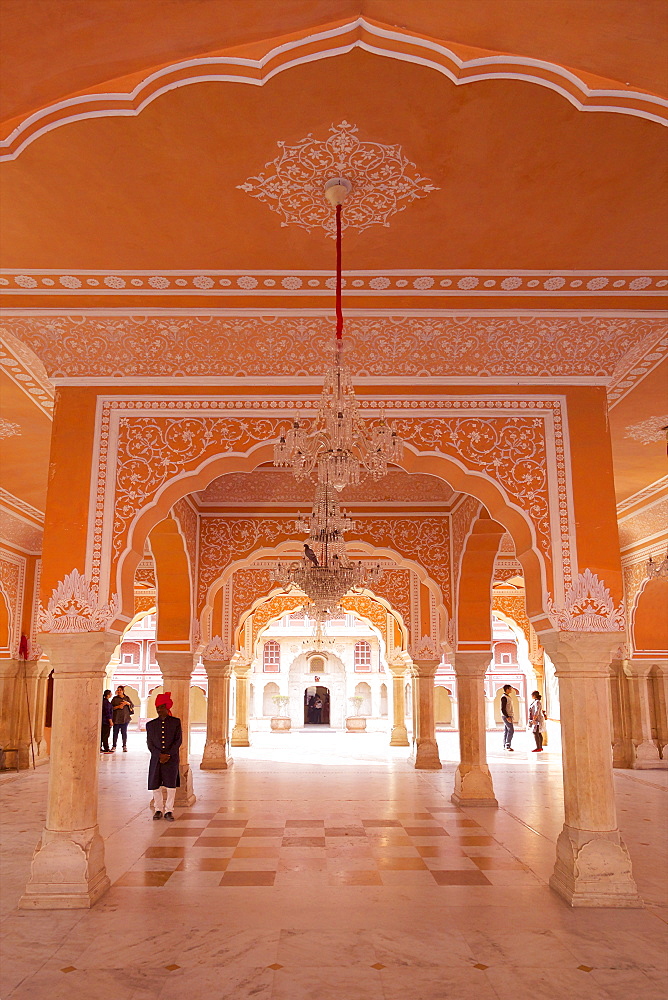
[(233, 847)]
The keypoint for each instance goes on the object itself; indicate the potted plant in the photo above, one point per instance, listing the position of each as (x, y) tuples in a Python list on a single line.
[(356, 723), (280, 723)]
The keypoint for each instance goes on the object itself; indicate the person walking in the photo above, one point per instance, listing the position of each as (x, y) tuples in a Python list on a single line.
[(163, 738), (107, 719), (123, 712), (507, 713), (537, 720)]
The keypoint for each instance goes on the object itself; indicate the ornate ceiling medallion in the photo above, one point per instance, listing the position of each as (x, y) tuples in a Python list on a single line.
[(384, 181)]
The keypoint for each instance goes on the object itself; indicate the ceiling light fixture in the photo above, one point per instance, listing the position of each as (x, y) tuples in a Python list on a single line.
[(340, 448)]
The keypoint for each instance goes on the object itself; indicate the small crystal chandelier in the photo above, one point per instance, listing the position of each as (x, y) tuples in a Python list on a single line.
[(340, 448), (325, 573), (318, 641)]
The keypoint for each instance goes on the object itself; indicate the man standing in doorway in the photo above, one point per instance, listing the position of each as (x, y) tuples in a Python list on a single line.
[(163, 738), (507, 713)]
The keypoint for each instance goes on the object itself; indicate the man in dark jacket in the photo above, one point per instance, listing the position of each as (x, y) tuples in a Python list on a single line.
[(163, 738), (507, 715), (123, 711), (107, 717)]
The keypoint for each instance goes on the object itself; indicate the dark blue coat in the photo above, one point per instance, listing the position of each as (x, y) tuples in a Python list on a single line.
[(164, 736)]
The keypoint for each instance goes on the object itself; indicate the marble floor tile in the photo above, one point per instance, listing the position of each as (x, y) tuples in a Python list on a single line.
[(376, 930), (442, 984)]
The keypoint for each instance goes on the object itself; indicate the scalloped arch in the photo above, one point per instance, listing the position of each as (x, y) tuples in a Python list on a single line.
[(584, 91)]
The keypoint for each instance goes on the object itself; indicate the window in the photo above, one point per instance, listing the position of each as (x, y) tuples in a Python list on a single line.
[(271, 657), (505, 657), (362, 656), (316, 665)]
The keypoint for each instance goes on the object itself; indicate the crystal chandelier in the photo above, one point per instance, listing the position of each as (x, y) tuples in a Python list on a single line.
[(318, 641), (340, 448), (325, 573)]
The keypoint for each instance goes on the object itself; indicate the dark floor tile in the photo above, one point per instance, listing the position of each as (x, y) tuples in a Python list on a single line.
[(459, 878)]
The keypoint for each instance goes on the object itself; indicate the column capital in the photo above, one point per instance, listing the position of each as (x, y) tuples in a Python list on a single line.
[(472, 663), (397, 667), (637, 668), (217, 668), (242, 669), (581, 653), (177, 666), (425, 668), (78, 654)]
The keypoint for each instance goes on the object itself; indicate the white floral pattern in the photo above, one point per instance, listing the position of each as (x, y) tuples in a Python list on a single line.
[(648, 431), (384, 181)]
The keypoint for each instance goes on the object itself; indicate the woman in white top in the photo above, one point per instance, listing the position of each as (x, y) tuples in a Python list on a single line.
[(537, 720)]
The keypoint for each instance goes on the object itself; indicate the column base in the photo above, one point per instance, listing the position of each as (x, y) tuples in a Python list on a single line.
[(399, 737), (623, 754), (240, 737), (67, 872), (594, 869), (647, 756), (185, 797), (425, 757), (215, 756), (473, 787)]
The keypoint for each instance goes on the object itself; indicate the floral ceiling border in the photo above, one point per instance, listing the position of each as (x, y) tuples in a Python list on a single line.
[(298, 283)]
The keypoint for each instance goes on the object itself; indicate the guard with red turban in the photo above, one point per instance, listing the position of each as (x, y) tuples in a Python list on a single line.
[(163, 737)]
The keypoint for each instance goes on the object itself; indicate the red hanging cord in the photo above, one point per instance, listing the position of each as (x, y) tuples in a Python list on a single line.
[(339, 309)]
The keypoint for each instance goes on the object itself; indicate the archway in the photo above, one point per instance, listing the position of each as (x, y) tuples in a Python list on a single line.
[(317, 705)]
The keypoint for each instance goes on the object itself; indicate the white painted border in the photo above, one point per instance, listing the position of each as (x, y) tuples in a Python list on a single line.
[(565, 540), (306, 41)]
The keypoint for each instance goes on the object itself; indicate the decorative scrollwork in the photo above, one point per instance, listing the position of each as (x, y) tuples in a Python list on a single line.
[(74, 607), (384, 181), (588, 607)]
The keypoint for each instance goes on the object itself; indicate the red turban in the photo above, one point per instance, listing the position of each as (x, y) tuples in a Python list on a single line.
[(165, 699)]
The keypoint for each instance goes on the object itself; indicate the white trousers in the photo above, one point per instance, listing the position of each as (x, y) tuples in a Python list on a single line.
[(168, 794)]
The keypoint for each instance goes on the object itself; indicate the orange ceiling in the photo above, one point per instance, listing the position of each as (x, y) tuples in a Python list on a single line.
[(24, 457), (85, 44), (526, 180)]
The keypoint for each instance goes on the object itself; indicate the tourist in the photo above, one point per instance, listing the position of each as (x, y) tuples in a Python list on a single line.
[(310, 710), (163, 738), (123, 712), (107, 718), (537, 720), (507, 713), (317, 710)]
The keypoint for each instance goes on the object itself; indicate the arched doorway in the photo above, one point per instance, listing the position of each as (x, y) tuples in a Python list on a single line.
[(314, 715)]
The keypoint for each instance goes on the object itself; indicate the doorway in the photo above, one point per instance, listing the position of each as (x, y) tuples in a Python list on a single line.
[(316, 706)]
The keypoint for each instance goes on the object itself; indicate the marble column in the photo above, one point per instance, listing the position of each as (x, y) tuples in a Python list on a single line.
[(40, 710), (645, 748), (67, 870), (25, 702), (623, 750), (660, 688), (593, 867), (473, 780), (215, 756), (399, 737), (240, 731), (176, 669), (9, 670), (425, 755)]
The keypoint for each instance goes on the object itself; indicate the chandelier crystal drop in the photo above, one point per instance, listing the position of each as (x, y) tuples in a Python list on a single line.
[(339, 447)]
